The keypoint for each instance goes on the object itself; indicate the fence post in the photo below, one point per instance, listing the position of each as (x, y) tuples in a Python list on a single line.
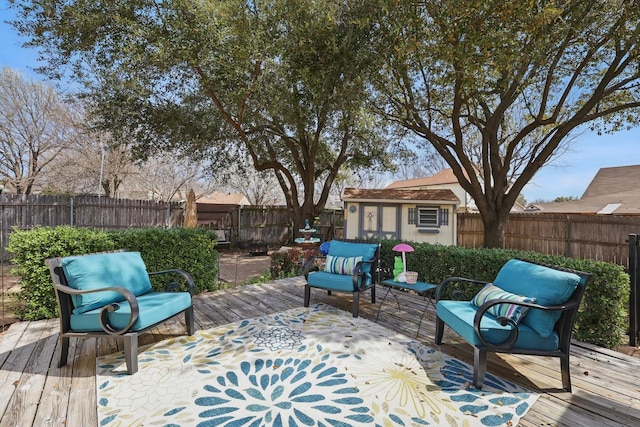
[(634, 297), (568, 247), (71, 209), (240, 221)]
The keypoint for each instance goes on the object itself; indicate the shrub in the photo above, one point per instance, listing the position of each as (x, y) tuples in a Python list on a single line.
[(189, 249), (162, 249), (287, 263), (31, 248)]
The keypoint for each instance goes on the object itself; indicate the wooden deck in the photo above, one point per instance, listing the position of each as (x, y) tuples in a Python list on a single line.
[(34, 392)]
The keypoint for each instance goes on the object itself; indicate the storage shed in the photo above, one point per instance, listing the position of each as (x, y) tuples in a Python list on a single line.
[(410, 215)]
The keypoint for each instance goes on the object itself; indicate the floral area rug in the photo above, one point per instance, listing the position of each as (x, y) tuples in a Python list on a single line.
[(315, 366)]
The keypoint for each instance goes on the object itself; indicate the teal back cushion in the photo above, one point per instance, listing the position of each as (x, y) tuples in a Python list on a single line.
[(367, 251), (547, 285), (95, 271)]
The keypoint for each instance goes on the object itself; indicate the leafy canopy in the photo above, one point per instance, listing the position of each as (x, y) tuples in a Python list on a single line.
[(282, 80), (498, 88)]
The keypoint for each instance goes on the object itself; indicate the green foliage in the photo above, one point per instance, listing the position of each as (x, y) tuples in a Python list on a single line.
[(283, 80), (287, 264), (263, 278), (565, 198), (189, 249), (602, 319), (31, 248), (491, 84)]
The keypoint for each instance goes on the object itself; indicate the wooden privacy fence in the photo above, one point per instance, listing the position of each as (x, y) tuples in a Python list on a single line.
[(634, 294), (264, 223), (273, 224), (598, 237), (28, 211)]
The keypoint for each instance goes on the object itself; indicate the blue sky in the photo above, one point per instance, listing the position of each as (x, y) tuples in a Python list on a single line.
[(11, 54), (569, 175)]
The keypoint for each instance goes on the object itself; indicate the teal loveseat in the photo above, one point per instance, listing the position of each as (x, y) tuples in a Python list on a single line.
[(529, 308), (109, 294), (349, 266)]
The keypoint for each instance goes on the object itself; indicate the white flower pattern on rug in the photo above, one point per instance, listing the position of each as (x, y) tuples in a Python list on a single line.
[(278, 338), (314, 366)]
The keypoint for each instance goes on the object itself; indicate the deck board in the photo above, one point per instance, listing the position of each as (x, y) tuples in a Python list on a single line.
[(34, 391)]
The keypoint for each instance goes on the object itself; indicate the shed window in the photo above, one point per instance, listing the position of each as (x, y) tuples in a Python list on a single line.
[(428, 216)]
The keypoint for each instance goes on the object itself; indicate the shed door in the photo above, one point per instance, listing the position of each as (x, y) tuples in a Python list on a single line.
[(380, 221)]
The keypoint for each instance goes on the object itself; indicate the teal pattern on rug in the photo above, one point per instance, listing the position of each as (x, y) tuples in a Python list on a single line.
[(314, 366)]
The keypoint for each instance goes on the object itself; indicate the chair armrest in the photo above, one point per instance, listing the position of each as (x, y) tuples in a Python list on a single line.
[(513, 335), (310, 266), (450, 280), (358, 273), (186, 276), (109, 308)]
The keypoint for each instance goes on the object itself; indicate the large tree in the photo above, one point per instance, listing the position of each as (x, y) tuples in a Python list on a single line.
[(497, 87), (35, 126), (280, 79)]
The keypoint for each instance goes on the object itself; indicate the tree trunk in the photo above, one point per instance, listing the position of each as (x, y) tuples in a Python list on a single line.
[(494, 229)]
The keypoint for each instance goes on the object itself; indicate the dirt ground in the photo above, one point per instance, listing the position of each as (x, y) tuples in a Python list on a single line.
[(239, 267), (8, 290)]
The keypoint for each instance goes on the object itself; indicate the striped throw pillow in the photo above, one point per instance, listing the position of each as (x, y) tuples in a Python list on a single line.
[(510, 311), (341, 265)]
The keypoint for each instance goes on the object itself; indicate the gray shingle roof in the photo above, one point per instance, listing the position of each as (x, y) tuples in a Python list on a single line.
[(610, 186)]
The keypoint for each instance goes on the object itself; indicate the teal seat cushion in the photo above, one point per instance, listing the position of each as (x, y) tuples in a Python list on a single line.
[(459, 316), (367, 251), (95, 271), (334, 282), (154, 307), (547, 285)]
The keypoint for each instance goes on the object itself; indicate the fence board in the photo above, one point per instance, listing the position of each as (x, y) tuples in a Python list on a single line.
[(598, 237), (29, 211), (273, 224)]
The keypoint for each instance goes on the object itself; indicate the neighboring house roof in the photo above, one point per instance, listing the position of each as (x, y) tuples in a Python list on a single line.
[(614, 190), (399, 195), (445, 176), (617, 180), (219, 198), (445, 179)]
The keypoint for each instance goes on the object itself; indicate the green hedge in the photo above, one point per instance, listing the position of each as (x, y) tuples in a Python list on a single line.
[(162, 249), (189, 249), (602, 319)]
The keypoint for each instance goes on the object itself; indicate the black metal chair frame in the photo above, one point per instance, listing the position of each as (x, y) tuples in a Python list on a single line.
[(358, 277), (66, 307), (563, 327)]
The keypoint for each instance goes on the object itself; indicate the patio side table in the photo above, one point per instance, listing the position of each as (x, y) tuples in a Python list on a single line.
[(425, 290)]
